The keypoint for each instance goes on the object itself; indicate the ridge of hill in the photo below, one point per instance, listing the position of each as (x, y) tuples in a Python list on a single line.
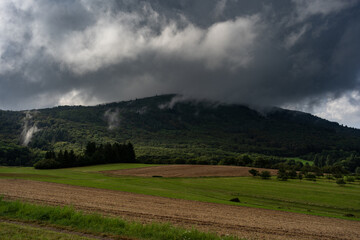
[(169, 127)]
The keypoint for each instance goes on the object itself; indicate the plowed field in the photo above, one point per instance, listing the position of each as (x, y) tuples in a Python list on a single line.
[(188, 171), (246, 222)]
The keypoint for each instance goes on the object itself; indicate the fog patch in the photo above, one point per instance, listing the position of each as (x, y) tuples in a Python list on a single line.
[(29, 129), (191, 100), (142, 110), (112, 118)]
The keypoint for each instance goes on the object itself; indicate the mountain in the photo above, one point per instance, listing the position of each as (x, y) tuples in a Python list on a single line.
[(169, 127)]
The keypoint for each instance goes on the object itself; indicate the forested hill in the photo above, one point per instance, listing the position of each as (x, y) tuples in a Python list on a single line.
[(164, 128)]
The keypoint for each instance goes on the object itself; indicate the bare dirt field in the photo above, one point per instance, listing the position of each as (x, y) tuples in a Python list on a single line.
[(188, 171), (246, 222)]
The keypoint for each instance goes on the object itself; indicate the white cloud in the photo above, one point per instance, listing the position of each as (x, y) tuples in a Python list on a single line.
[(344, 109), (108, 42), (11, 37), (295, 36), (226, 43), (116, 38), (77, 97), (308, 8), (219, 8)]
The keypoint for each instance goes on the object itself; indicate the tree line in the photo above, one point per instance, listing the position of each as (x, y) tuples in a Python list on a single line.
[(15, 155), (94, 154)]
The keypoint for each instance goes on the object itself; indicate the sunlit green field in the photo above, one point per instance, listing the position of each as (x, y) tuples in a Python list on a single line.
[(323, 197)]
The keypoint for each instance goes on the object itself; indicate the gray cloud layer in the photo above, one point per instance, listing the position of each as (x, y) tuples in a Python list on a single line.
[(258, 52)]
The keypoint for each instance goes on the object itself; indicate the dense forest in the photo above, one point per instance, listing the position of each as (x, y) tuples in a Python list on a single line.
[(93, 154), (14, 155), (164, 129)]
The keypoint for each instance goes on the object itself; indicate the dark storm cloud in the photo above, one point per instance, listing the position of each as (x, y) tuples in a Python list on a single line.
[(255, 52)]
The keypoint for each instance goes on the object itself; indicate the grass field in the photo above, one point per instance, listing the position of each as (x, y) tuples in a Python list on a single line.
[(68, 218), (10, 231), (323, 197)]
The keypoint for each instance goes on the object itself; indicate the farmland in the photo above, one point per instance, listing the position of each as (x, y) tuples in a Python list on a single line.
[(322, 197), (285, 203)]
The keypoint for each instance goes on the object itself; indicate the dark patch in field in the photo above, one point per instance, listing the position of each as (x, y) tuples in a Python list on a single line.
[(235, 200)]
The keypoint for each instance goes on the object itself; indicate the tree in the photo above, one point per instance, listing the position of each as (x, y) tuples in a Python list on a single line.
[(340, 182), (310, 177), (265, 175), (350, 179), (46, 164), (357, 171), (282, 174), (50, 155), (292, 174), (254, 172), (90, 148), (131, 153), (300, 176)]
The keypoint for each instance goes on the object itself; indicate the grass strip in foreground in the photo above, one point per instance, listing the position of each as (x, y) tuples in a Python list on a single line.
[(96, 224), (9, 231)]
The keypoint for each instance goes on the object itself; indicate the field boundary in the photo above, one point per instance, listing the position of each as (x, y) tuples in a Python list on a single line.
[(187, 171)]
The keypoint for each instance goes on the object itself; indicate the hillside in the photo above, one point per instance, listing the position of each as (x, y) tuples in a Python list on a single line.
[(162, 128)]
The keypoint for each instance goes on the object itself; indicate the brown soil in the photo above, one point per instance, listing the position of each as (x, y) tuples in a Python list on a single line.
[(188, 171), (245, 222)]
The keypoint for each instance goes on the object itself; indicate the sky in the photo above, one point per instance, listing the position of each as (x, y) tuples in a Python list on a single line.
[(296, 54)]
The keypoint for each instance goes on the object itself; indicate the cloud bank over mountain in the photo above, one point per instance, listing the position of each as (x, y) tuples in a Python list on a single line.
[(299, 54)]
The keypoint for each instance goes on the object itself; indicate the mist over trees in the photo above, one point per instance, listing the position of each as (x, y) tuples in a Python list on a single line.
[(169, 130)]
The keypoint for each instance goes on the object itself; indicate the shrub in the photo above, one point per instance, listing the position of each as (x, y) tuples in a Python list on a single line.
[(310, 177), (47, 164), (300, 176), (329, 177), (265, 174), (292, 174), (235, 200), (350, 179), (191, 161), (282, 174), (337, 175), (254, 172), (180, 161), (340, 181)]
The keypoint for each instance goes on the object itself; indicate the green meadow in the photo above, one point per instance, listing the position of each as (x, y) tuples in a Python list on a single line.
[(10, 231), (323, 197), (69, 219)]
